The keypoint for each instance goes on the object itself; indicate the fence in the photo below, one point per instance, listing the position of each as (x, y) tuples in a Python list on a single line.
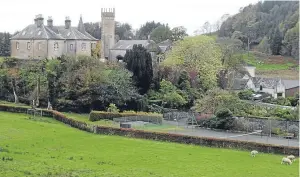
[(261, 130)]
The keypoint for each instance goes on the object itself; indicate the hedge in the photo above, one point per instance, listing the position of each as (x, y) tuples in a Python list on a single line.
[(137, 116), (23, 109), (167, 137)]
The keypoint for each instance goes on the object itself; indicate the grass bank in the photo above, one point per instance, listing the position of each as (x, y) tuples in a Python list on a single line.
[(45, 147)]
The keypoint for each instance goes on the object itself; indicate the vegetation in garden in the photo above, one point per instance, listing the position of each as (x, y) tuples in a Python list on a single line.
[(217, 99), (59, 150)]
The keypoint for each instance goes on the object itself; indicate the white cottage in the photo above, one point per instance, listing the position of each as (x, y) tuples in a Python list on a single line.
[(273, 86)]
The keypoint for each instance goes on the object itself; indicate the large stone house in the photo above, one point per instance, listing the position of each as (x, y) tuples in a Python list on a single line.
[(39, 41)]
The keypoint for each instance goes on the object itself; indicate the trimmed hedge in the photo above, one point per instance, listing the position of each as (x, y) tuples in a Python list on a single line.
[(167, 137), (137, 116), (23, 109)]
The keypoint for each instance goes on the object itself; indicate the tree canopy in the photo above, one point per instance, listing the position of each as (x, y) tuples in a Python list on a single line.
[(139, 61), (199, 53), (267, 22)]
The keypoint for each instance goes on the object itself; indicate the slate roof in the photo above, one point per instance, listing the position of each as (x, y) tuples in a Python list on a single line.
[(266, 82), (35, 32), (71, 33), (55, 32), (128, 44), (239, 84), (290, 83)]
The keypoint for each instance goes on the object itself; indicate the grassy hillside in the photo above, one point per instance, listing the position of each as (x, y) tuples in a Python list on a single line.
[(273, 66), (44, 147)]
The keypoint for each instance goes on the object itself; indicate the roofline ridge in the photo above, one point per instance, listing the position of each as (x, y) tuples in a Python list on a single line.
[(84, 34), (45, 31)]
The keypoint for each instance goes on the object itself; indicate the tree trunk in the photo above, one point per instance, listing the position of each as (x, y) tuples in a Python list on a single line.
[(15, 96), (14, 91)]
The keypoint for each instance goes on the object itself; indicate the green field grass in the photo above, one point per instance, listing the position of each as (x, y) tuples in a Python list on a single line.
[(261, 66), (45, 147)]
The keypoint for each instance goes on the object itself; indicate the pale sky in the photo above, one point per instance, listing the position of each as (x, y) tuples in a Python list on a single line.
[(17, 14)]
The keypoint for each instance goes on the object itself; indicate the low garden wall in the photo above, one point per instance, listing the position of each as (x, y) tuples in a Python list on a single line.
[(135, 116), (167, 137)]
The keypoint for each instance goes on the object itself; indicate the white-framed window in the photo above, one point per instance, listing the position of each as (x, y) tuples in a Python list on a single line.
[(71, 47), (17, 45), (83, 46), (40, 46), (28, 45), (55, 46)]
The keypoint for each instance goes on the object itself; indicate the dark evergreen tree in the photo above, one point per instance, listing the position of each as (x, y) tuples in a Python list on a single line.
[(146, 30), (5, 44), (276, 42), (139, 62)]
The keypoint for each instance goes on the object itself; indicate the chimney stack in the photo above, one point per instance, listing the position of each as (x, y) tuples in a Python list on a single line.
[(39, 20), (50, 22), (67, 22)]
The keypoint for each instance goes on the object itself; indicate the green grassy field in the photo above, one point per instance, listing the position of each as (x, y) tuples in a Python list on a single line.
[(45, 147), (261, 65)]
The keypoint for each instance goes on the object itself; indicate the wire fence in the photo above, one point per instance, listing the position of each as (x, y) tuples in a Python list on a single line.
[(259, 130)]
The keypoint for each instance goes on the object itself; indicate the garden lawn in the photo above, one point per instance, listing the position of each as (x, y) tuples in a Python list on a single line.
[(45, 147)]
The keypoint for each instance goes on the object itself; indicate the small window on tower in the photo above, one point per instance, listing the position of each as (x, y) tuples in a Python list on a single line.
[(55, 46), (28, 45), (71, 47), (17, 45), (40, 46), (83, 46)]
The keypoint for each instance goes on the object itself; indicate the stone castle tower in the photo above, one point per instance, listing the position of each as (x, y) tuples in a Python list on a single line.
[(107, 31)]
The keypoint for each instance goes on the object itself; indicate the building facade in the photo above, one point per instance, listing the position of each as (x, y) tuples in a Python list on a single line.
[(39, 41), (107, 31)]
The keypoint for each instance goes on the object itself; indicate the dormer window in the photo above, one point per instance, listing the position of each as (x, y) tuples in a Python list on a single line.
[(28, 45), (55, 46), (17, 45)]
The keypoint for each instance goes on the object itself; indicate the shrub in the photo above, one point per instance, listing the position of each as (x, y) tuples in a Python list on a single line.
[(113, 108), (283, 101), (140, 116), (246, 94), (294, 129), (293, 100)]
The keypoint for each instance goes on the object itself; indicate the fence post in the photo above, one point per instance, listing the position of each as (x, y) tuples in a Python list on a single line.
[(287, 129), (270, 121)]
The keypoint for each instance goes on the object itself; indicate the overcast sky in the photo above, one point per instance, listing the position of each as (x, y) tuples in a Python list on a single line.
[(17, 14)]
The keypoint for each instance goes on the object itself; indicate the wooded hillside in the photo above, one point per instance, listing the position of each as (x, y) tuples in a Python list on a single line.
[(271, 27)]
